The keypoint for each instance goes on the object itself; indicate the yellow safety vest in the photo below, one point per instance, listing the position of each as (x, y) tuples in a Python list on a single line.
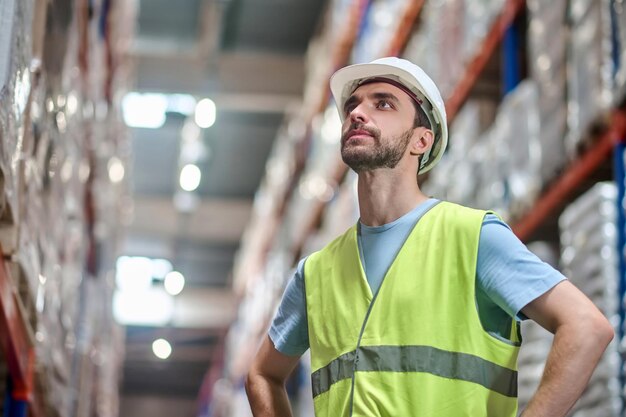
[(417, 347)]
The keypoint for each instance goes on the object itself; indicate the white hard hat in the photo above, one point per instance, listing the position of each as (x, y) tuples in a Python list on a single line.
[(347, 79)]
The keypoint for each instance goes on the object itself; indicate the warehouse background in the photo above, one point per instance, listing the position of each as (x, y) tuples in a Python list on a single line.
[(165, 164)]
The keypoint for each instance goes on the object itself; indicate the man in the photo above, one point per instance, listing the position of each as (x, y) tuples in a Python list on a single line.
[(413, 311)]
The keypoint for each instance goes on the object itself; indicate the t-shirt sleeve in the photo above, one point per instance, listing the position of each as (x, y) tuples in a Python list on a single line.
[(289, 330), (510, 274)]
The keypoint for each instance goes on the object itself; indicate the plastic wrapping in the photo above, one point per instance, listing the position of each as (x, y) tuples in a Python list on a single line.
[(341, 214), (453, 180), (521, 146), (49, 111), (499, 168), (479, 16), (15, 86), (424, 46), (317, 182), (537, 341), (380, 25), (492, 192), (619, 9), (589, 65), (448, 36), (547, 45), (590, 260)]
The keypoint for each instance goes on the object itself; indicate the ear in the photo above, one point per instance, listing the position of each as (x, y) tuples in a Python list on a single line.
[(422, 140)]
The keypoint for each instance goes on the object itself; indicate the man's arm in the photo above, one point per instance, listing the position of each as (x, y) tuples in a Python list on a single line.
[(265, 384), (581, 334)]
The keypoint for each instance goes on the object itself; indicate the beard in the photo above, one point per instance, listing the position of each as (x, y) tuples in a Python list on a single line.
[(385, 153)]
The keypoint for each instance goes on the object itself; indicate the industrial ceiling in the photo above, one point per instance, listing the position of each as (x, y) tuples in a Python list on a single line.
[(248, 57)]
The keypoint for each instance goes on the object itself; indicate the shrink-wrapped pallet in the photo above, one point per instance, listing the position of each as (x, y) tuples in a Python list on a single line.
[(589, 259), (536, 341), (379, 27), (589, 69), (547, 44), (521, 147)]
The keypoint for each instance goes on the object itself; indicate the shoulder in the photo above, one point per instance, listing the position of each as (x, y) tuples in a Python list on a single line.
[(459, 212), (509, 273), (456, 218), (497, 234)]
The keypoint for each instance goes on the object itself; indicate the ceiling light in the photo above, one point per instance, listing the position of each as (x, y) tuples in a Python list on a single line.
[(190, 177), (144, 110), (133, 273), (72, 104), (181, 103), (161, 348), (116, 170), (150, 307), (205, 113), (174, 282)]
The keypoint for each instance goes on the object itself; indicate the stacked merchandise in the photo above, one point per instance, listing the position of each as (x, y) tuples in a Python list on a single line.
[(447, 38), (340, 27), (463, 158), (256, 309), (317, 182), (519, 147), (589, 68), (464, 155), (535, 348), (537, 341), (279, 169), (498, 161), (378, 27), (498, 167), (619, 10), (547, 43), (62, 152), (341, 214), (590, 260)]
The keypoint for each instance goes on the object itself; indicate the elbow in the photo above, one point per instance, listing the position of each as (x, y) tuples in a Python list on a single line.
[(606, 331), (600, 330)]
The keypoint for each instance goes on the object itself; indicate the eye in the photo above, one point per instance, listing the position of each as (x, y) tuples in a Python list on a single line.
[(348, 109), (383, 104)]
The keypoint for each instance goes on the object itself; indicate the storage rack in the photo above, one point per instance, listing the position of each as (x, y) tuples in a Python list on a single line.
[(26, 394), (341, 55), (574, 178), (17, 342), (554, 197)]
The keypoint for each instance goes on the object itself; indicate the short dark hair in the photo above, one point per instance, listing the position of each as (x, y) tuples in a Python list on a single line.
[(420, 120)]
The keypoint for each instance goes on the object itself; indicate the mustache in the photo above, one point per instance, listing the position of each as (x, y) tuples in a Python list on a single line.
[(375, 133)]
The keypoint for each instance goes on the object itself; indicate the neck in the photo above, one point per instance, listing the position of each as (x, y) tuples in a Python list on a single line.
[(386, 195)]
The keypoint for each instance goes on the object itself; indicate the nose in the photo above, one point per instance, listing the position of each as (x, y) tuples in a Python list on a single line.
[(357, 114)]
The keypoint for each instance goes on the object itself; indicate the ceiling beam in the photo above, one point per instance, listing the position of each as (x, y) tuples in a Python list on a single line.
[(214, 220)]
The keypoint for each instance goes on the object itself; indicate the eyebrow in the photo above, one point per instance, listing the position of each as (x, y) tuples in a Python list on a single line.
[(385, 96), (377, 96)]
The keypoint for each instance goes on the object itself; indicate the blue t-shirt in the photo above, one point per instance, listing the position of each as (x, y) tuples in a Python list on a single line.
[(508, 277)]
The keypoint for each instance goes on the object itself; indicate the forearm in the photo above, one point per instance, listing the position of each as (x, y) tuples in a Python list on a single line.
[(267, 397), (572, 359)]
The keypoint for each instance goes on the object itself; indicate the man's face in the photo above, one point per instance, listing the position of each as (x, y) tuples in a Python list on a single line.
[(377, 128)]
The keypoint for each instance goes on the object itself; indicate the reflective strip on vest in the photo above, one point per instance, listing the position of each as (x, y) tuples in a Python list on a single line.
[(453, 365)]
